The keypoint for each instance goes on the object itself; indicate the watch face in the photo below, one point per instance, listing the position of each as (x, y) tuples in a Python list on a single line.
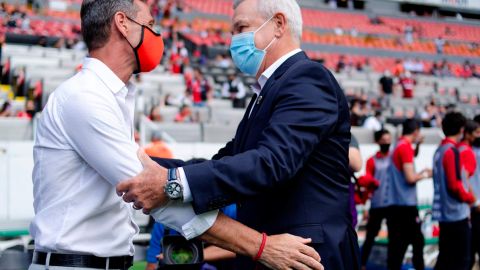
[(174, 190)]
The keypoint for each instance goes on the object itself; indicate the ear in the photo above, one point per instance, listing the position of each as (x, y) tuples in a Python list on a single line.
[(280, 24), (120, 21)]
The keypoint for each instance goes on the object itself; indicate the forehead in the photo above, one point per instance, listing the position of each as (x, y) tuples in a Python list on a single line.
[(246, 11)]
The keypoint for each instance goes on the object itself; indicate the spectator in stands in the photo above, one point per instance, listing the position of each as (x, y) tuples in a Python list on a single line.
[(408, 31), (200, 89), (5, 110), (407, 82), (340, 64), (223, 61), (374, 122), (436, 69), (28, 112), (398, 69), (404, 226), (215, 258), (156, 114), (431, 116), (452, 198), (475, 211), (157, 148), (358, 112), (439, 44), (235, 90), (184, 115), (338, 30), (377, 174), (386, 87)]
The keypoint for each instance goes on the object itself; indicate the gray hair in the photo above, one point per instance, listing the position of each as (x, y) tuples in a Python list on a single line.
[(290, 8), (97, 17)]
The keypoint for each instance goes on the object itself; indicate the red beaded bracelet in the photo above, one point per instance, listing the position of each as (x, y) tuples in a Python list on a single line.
[(262, 247)]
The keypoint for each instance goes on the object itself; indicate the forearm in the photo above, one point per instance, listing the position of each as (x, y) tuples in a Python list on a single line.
[(213, 253), (231, 235)]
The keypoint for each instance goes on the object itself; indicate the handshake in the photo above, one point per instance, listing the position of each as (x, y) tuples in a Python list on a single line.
[(147, 192)]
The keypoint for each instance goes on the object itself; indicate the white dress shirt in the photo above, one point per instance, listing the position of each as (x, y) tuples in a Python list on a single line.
[(84, 147), (257, 89)]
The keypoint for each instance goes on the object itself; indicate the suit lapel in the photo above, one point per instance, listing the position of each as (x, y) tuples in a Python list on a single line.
[(247, 122)]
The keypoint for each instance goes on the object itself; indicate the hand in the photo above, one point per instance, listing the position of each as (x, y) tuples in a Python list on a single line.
[(427, 173), (145, 190), (421, 139), (287, 251)]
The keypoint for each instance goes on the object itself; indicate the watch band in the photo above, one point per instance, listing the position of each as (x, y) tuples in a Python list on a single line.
[(172, 175)]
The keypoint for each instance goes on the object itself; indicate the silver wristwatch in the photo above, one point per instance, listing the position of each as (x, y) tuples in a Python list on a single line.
[(173, 187)]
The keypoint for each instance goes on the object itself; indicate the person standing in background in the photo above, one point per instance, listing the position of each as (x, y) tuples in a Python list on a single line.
[(404, 226), (451, 198), (475, 212), (377, 171)]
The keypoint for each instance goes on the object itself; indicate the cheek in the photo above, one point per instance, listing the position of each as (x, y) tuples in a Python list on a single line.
[(134, 37)]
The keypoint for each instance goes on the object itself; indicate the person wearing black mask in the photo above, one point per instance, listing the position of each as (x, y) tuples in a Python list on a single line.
[(377, 175), (475, 183)]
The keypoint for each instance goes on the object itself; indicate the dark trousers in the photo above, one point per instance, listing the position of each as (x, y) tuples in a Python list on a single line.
[(404, 228), (375, 218), (454, 246), (475, 236)]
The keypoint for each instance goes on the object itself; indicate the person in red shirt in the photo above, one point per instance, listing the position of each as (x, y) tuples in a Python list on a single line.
[(408, 84), (452, 198), (403, 222), (376, 178), (469, 164)]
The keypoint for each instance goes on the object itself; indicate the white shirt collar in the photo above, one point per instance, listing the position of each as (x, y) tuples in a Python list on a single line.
[(109, 78), (257, 88)]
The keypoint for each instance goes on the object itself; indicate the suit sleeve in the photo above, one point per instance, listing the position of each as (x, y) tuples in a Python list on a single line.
[(305, 111)]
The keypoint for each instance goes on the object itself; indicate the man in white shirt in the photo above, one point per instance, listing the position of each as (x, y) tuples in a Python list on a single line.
[(85, 146)]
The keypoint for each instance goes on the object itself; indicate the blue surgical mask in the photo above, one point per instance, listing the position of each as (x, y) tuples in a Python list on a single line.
[(246, 56)]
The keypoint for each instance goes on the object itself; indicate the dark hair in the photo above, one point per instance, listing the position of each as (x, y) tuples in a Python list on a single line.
[(477, 119), (471, 126), (97, 17), (410, 126), (453, 123), (379, 134)]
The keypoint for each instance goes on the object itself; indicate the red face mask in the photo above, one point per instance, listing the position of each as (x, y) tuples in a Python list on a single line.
[(149, 50)]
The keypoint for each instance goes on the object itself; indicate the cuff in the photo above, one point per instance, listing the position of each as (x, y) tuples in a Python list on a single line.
[(187, 193), (180, 217), (199, 224)]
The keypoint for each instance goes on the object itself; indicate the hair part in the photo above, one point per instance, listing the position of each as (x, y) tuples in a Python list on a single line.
[(290, 8), (97, 17), (453, 123)]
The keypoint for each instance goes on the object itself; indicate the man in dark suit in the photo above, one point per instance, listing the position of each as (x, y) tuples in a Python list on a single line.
[(287, 167)]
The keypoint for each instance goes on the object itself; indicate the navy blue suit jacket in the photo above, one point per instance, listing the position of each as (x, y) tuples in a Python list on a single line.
[(287, 167)]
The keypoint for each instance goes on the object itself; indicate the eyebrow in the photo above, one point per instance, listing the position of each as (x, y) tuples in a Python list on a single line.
[(237, 23)]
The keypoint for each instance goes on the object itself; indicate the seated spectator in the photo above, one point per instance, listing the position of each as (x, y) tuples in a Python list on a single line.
[(157, 148), (28, 112), (374, 122), (222, 61), (358, 112), (5, 110), (215, 257), (235, 90), (155, 114), (431, 116), (184, 115), (341, 64), (200, 89)]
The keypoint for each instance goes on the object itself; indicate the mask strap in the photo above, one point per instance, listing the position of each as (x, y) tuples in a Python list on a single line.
[(270, 44), (258, 29)]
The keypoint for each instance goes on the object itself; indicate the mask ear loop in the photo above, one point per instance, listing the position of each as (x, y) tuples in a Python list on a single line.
[(273, 40)]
